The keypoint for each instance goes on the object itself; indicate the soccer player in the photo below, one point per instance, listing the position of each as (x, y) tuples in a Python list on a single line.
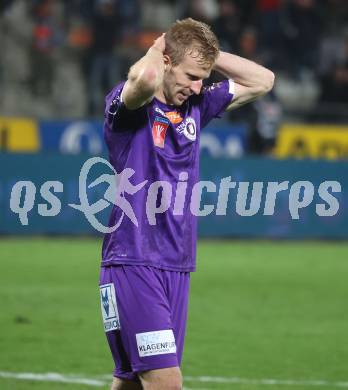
[(152, 126)]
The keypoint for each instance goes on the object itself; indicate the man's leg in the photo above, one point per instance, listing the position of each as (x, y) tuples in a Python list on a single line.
[(122, 384), (171, 378), (161, 379)]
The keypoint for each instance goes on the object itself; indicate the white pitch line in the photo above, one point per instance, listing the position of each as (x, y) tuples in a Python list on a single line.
[(278, 382), (52, 377), (55, 377)]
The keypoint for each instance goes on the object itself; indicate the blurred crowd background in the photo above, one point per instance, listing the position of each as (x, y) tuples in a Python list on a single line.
[(60, 57)]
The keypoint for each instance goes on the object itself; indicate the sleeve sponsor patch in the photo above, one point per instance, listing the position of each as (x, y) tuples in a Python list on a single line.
[(109, 310), (156, 343)]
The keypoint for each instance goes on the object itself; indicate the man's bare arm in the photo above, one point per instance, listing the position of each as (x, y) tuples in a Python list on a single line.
[(251, 80), (145, 76)]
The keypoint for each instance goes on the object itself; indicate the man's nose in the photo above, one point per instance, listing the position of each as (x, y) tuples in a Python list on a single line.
[(196, 86)]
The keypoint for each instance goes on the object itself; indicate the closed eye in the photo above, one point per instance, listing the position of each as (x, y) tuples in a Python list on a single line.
[(193, 77)]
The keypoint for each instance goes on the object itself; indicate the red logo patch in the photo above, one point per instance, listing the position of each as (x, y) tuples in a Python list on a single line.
[(159, 130)]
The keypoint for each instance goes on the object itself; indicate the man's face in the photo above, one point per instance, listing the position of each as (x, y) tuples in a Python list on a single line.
[(183, 80)]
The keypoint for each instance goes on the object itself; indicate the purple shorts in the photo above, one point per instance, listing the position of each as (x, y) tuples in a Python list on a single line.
[(144, 313)]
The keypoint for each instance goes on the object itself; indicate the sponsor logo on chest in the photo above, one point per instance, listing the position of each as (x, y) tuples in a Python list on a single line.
[(174, 117), (187, 126), (159, 130)]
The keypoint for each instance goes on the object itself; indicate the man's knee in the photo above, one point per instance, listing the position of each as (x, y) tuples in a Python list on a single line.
[(121, 384), (162, 379)]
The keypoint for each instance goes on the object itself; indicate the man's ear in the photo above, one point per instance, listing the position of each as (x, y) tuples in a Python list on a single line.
[(167, 61)]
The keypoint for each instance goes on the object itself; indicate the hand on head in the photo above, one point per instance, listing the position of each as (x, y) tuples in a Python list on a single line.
[(160, 43)]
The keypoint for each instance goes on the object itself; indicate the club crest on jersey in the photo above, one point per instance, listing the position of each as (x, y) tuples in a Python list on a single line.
[(159, 130), (188, 128), (174, 117)]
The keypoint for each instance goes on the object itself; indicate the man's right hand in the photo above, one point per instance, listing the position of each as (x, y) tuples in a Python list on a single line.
[(160, 43)]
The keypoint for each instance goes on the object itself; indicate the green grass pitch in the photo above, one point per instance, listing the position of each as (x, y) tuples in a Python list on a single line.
[(258, 310)]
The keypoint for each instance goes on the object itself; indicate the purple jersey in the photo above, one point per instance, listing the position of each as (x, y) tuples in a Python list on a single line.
[(158, 141)]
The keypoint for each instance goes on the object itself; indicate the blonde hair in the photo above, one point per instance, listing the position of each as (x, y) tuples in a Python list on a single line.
[(193, 37)]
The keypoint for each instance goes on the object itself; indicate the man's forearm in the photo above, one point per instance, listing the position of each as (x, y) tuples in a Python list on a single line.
[(243, 71), (148, 71), (145, 76)]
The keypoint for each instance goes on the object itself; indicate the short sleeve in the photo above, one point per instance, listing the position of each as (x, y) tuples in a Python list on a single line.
[(117, 117), (215, 98)]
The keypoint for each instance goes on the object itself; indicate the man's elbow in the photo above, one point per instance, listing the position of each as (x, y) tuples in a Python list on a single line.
[(147, 80), (264, 85), (268, 81)]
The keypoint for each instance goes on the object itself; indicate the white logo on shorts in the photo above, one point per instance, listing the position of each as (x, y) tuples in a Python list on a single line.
[(156, 343), (109, 307)]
